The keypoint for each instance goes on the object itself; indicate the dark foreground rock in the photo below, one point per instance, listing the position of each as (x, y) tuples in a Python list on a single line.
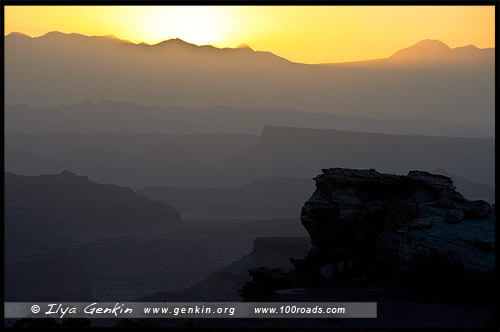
[(361, 217), (409, 242)]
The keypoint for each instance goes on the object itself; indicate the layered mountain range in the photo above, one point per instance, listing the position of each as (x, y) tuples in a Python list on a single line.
[(125, 117), (214, 160), (171, 196), (427, 80), (69, 238)]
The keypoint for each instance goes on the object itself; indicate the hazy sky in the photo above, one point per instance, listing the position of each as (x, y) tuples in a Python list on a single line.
[(310, 34)]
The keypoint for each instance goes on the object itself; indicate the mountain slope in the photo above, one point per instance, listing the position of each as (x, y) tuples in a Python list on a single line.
[(296, 152), (121, 117), (74, 207), (177, 73), (280, 152), (435, 51)]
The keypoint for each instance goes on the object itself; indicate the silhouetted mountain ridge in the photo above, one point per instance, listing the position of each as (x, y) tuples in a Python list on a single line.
[(178, 73), (292, 152), (75, 206), (116, 116), (431, 50), (210, 160), (424, 48)]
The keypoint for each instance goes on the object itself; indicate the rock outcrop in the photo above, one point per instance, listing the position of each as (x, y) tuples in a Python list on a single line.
[(369, 228), (358, 217)]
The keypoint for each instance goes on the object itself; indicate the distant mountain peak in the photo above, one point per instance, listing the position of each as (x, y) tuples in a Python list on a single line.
[(175, 42), (244, 46), (470, 46), (17, 34), (178, 40), (57, 33), (423, 49), (431, 43), (432, 50)]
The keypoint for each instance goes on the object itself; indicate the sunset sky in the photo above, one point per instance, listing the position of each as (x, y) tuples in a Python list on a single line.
[(314, 34)]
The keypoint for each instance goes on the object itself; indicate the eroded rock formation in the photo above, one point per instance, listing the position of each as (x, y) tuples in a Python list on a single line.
[(356, 215), (365, 225)]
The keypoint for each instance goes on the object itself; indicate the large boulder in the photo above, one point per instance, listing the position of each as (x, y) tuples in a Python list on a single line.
[(363, 217)]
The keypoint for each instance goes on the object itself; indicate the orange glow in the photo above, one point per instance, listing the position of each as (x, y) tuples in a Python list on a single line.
[(310, 34)]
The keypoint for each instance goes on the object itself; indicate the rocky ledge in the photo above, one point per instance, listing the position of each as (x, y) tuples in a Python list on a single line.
[(411, 220), (365, 225)]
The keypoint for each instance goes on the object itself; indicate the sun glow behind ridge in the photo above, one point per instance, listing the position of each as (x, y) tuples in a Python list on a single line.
[(194, 24), (308, 34)]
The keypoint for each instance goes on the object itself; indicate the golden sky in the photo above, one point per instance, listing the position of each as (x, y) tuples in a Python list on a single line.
[(308, 34)]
